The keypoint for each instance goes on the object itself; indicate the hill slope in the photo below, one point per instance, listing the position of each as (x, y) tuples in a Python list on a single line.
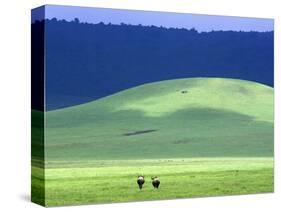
[(196, 117)]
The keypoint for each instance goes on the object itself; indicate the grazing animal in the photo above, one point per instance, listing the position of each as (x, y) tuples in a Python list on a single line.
[(140, 181), (155, 182)]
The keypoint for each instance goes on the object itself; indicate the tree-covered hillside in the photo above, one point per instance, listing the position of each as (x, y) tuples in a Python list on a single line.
[(85, 61)]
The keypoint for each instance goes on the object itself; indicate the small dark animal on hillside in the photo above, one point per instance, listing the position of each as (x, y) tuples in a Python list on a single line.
[(155, 182), (140, 181)]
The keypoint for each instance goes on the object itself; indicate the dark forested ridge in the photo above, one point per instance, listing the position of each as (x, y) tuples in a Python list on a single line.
[(85, 61)]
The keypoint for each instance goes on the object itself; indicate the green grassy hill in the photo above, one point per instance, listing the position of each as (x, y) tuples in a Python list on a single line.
[(195, 117), (201, 136)]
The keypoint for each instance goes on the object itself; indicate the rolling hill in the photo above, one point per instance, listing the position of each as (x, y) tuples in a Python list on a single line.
[(181, 118)]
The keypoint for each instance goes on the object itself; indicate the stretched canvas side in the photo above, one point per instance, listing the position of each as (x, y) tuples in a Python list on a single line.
[(38, 106)]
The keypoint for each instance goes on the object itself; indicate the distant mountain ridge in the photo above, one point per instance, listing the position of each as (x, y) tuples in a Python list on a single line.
[(85, 61)]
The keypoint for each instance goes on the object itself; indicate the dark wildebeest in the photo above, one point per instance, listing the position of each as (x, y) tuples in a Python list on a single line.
[(140, 181), (155, 182)]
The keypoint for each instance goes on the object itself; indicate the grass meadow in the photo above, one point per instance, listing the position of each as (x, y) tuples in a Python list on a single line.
[(201, 137), (115, 181)]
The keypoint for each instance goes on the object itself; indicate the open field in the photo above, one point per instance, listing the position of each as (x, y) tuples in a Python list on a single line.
[(115, 181), (201, 136)]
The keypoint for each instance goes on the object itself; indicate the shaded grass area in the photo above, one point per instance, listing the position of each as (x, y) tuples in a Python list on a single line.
[(199, 132), (114, 181)]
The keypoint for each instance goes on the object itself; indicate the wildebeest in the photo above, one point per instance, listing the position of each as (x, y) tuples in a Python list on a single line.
[(140, 181), (155, 181)]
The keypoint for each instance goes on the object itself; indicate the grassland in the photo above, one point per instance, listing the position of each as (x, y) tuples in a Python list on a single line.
[(115, 181), (201, 136)]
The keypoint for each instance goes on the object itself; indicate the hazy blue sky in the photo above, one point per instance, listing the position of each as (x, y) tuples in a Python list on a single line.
[(178, 20)]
